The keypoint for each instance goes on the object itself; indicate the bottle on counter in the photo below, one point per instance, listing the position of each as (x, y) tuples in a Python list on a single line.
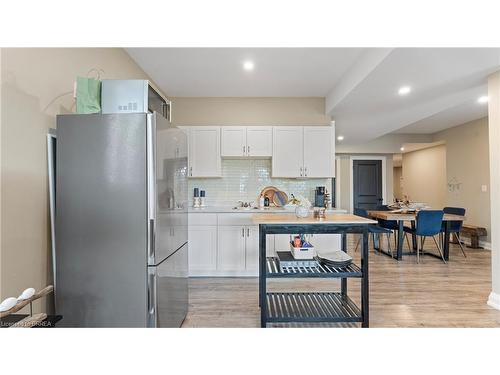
[(196, 198), (261, 201), (266, 202), (202, 198)]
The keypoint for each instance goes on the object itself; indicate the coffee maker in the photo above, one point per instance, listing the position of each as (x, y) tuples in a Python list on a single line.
[(319, 196)]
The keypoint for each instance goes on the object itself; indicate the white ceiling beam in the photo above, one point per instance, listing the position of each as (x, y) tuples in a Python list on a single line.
[(366, 63), (377, 126)]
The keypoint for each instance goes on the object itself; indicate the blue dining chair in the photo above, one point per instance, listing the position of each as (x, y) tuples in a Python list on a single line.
[(427, 224), (374, 229), (392, 225), (455, 226)]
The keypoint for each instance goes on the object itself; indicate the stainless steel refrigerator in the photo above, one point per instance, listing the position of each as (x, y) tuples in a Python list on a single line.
[(121, 221)]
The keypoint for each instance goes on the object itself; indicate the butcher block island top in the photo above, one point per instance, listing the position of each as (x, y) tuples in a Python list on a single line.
[(291, 218)]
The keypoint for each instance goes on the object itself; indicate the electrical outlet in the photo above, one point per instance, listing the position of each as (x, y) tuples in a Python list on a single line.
[(484, 188)]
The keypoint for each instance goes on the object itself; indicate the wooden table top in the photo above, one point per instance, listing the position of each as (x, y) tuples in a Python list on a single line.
[(388, 215), (290, 218)]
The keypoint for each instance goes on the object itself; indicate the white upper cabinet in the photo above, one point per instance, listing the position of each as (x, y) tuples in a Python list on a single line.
[(303, 151), (319, 152), (259, 141), (204, 151), (234, 141), (296, 151), (246, 141), (288, 150)]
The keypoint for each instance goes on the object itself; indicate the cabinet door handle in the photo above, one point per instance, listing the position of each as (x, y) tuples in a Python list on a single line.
[(248, 150), (248, 232), (242, 232), (300, 171), (191, 171), (305, 171), (243, 150)]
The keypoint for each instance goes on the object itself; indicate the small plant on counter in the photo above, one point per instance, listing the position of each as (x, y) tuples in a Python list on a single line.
[(300, 201), (303, 204)]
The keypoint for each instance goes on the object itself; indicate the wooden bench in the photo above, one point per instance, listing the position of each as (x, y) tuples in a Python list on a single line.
[(474, 233)]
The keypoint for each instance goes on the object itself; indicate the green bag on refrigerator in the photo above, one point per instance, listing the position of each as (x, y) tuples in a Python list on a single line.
[(88, 95)]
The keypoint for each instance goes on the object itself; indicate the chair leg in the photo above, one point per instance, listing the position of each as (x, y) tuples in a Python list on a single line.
[(408, 242), (460, 243), (418, 252), (439, 248), (389, 244), (422, 243), (373, 240), (357, 244)]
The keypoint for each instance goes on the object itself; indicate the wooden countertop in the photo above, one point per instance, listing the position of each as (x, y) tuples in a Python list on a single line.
[(290, 218), (388, 215)]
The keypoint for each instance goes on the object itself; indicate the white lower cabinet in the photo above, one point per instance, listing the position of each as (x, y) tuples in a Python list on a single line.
[(202, 250), (231, 248), (269, 245), (252, 250), (238, 250), (326, 242)]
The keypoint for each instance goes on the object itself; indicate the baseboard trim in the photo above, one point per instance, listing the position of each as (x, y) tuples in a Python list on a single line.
[(486, 245), (494, 300)]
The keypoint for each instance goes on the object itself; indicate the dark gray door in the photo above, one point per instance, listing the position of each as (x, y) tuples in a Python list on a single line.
[(367, 183)]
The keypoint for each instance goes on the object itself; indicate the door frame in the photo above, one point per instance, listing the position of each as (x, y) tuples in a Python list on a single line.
[(384, 177), (337, 181)]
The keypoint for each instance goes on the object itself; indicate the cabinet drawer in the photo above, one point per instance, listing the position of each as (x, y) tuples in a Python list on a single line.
[(202, 219), (235, 219)]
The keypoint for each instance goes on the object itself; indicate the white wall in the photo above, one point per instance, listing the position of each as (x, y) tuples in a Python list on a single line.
[(467, 164), (32, 80), (424, 176), (249, 111), (494, 153)]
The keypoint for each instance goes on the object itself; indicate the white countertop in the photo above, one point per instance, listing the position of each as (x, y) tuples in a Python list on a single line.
[(271, 210)]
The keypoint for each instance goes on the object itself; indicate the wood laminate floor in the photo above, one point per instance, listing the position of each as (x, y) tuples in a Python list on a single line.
[(402, 294)]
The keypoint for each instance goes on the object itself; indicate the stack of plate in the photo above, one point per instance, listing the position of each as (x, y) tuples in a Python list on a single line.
[(335, 258)]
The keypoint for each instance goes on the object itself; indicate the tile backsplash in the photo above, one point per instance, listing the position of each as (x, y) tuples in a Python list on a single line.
[(244, 179)]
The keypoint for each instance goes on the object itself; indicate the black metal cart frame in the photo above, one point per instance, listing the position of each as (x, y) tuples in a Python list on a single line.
[(281, 307)]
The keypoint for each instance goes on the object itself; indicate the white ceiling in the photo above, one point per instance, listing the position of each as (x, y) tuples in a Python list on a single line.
[(218, 72), (446, 83), (360, 84)]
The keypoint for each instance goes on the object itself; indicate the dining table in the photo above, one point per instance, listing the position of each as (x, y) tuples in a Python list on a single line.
[(401, 217)]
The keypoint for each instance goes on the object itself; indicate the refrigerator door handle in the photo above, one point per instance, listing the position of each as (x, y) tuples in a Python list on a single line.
[(151, 178), (151, 253), (151, 297)]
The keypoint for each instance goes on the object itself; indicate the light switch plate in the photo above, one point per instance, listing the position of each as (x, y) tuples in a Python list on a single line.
[(484, 188)]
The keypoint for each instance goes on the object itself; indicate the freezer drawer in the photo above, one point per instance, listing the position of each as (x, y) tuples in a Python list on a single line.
[(168, 291)]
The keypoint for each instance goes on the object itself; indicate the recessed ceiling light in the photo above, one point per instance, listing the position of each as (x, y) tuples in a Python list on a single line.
[(405, 90), (402, 148), (340, 138), (483, 99), (248, 65)]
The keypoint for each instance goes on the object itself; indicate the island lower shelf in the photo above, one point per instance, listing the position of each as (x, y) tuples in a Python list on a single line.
[(315, 307), (275, 271)]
